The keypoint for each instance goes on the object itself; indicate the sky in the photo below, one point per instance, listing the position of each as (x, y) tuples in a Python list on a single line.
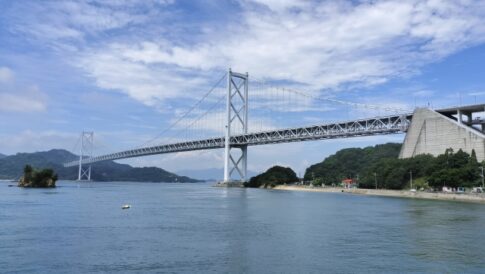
[(128, 70)]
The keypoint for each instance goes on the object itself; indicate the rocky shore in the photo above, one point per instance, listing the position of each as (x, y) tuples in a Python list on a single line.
[(229, 184), (462, 197)]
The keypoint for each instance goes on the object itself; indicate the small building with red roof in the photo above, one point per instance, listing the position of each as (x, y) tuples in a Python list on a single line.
[(349, 183)]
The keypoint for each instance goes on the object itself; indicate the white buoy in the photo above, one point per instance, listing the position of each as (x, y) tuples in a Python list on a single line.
[(125, 206)]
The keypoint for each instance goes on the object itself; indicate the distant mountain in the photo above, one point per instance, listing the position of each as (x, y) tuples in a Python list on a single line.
[(210, 174), (11, 167), (2, 156)]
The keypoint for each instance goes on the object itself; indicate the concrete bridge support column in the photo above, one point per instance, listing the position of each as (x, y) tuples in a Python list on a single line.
[(237, 121)]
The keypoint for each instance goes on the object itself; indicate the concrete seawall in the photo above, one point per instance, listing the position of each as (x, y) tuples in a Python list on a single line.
[(468, 197)]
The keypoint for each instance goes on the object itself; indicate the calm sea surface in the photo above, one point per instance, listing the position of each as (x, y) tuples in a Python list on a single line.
[(196, 228)]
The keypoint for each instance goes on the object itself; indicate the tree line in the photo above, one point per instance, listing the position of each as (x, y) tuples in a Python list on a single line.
[(379, 165)]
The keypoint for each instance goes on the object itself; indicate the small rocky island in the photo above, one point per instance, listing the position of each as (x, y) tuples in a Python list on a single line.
[(44, 178), (276, 175)]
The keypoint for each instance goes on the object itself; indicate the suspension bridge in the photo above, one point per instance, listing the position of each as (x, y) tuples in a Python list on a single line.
[(233, 119)]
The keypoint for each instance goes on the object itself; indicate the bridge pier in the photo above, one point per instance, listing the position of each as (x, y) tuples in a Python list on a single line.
[(237, 119)]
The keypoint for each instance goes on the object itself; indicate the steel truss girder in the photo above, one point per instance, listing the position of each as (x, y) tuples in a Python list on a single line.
[(365, 127)]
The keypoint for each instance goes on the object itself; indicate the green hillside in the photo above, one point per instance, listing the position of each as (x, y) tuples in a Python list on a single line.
[(275, 175), (350, 162), (379, 165), (11, 167)]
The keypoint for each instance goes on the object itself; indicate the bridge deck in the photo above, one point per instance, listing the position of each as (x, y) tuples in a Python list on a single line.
[(365, 127)]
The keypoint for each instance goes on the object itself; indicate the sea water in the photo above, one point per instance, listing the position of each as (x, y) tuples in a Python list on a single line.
[(197, 228)]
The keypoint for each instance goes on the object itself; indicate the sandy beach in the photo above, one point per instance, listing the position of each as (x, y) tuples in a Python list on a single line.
[(462, 197)]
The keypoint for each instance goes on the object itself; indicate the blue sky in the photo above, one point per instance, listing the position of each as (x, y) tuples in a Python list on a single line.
[(128, 69)]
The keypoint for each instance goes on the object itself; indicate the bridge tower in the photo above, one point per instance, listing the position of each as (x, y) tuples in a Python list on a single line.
[(87, 141), (237, 119)]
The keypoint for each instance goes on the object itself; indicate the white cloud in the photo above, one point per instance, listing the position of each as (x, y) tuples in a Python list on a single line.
[(63, 20), (200, 57), (283, 5), (39, 140), (149, 84), (16, 98), (31, 100), (325, 45), (6, 75)]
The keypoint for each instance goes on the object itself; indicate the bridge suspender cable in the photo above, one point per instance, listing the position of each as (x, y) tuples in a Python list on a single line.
[(186, 113), (74, 148), (397, 110), (342, 102), (205, 113)]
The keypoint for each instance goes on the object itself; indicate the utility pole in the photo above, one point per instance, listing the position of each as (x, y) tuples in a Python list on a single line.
[(411, 178), (375, 179), (483, 185)]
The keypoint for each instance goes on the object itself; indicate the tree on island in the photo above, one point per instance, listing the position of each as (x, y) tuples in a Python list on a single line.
[(37, 178), (276, 175)]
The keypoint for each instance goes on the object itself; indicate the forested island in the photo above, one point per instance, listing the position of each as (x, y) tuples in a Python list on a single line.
[(274, 176), (43, 178)]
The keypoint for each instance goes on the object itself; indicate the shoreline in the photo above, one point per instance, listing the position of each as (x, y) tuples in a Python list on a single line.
[(468, 197)]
